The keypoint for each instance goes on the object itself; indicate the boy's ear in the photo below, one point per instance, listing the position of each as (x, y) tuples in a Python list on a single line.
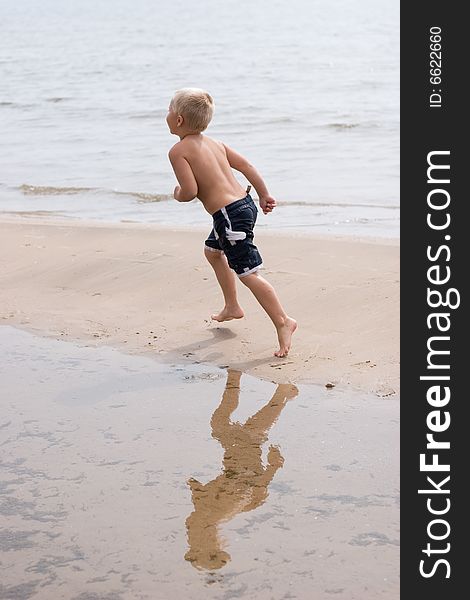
[(179, 120)]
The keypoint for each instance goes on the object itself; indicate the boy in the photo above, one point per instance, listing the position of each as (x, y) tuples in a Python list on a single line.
[(203, 168)]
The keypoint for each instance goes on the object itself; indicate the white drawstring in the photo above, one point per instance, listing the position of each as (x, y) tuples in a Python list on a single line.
[(232, 236)]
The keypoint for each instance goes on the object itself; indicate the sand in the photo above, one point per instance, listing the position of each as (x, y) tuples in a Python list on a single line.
[(148, 289), (127, 478)]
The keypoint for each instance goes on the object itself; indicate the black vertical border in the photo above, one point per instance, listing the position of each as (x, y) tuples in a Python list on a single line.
[(425, 129)]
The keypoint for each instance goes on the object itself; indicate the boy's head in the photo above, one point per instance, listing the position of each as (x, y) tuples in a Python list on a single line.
[(192, 108)]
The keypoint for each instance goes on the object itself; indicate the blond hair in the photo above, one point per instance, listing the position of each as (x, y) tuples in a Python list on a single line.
[(195, 105)]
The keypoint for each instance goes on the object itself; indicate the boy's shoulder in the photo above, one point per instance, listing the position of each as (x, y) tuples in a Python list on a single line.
[(181, 148), (188, 146), (176, 149), (214, 142)]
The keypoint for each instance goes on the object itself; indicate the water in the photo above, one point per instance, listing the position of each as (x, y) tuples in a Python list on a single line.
[(125, 478), (307, 89)]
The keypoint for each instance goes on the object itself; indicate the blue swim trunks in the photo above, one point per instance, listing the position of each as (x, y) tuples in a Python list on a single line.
[(233, 235)]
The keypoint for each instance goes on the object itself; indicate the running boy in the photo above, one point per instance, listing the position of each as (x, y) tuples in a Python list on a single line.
[(203, 168)]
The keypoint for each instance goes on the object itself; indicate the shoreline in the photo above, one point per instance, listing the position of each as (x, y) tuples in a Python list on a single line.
[(143, 288), (52, 218)]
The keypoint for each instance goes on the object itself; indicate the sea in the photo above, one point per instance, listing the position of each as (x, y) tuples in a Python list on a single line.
[(308, 90)]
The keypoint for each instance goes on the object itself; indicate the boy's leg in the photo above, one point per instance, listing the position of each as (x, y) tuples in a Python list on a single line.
[(267, 297), (227, 281)]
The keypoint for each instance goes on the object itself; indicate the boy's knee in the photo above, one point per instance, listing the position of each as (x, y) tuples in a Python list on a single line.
[(212, 254), (248, 279)]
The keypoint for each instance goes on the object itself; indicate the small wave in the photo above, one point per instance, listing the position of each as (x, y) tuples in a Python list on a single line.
[(340, 126), (33, 213), (275, 120), (15, 105), (151, 114), (143, 197), (340, 204), (47, 190), (345, 126)]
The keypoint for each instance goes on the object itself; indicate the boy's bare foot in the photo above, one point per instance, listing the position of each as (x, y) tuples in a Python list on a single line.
[(227, 314), (284, 335)]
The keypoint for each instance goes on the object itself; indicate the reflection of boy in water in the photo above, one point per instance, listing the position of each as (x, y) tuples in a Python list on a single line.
[(243, 485)]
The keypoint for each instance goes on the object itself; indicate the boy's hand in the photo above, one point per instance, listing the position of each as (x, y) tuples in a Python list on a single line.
[(176, 192), (267, 204)]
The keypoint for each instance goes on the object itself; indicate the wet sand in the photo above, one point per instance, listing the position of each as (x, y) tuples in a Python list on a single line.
[(127, 478), (150, 290)]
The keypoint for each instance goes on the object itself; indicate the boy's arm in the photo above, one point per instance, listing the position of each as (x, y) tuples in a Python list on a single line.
[(240, 163), (187, 188)]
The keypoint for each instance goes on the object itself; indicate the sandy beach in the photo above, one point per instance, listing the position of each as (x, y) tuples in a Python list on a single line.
[(149, 290), (150, 453), (123, 477)]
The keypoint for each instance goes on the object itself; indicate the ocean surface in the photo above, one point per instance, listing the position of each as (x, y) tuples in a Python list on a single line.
[(308, 90)]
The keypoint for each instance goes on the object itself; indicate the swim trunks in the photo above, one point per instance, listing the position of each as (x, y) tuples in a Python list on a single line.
[(233, 235)]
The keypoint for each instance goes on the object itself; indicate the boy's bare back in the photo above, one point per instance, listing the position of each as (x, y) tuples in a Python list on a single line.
[(203, 166)]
